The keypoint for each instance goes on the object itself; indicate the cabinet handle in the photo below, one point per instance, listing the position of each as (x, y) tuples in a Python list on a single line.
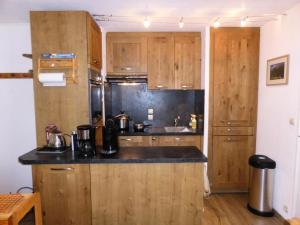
[(52, 64), (229, 139), (176, 66), (62, 169), (229, 129), (186, 86), (126, 68), (95, 61), (126, 139), (229, 123), (177, 139), (153, 139), (160, 86)]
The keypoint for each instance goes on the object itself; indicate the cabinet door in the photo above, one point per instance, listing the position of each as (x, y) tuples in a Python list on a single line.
[(235, 76), (187, 61), (126, 53), (161, 62), (230, 162), (94, 44), (65, 193), (134, 141)]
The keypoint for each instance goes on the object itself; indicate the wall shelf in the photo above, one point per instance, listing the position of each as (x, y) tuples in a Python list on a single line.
[(15, 75)]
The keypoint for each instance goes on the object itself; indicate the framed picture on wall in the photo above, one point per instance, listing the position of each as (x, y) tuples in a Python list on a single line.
[(278, 70)]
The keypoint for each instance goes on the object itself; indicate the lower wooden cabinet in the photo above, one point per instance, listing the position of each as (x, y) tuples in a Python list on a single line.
[(182, 140), (65, 193), (230, 162)]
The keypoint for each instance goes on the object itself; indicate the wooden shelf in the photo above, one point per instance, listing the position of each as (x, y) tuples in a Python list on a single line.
[(15, 75), (52, 65)]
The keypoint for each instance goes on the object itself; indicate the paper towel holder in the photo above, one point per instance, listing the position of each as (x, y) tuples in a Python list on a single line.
[(55, 65)]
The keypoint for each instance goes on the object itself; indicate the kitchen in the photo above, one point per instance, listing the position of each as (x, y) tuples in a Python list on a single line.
[(155, 115)]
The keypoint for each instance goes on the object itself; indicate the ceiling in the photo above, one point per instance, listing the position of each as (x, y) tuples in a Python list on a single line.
[(163, 14)]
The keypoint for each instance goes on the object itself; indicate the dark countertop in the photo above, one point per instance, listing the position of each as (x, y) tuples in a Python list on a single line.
[(158, 131), (189, 154)]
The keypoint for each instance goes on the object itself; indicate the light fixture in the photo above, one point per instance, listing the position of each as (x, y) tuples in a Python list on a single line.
[(244, 22), (147, 22), (217, 23), (181, 23)]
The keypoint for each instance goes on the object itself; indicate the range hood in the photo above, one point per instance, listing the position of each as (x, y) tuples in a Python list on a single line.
[(126, 79)]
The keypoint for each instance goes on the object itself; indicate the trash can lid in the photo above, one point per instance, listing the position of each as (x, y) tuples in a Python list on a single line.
[(262, 162)]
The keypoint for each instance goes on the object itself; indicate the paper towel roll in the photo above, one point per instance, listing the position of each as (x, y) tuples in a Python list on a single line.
[(52, 79)]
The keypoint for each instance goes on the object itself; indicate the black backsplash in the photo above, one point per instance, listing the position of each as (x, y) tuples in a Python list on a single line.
[(166, 104)]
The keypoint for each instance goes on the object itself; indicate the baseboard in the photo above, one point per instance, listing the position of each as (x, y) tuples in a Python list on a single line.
[(282, 220)]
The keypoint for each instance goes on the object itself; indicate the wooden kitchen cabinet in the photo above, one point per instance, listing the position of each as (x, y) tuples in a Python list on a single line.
[(161, 61), (134, 141), (126, 53), (234, 66), (65, 193), (230, 162), (234, 56), (94, 44), (187, 60)]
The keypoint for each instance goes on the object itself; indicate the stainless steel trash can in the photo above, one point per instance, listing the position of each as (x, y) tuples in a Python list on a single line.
[(260, 199)]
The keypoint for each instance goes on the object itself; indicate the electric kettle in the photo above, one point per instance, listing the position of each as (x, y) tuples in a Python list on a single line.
[(56, 140)]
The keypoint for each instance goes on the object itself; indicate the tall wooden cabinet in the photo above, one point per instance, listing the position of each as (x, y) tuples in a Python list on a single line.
[(64, 32), (233, 106), (65, 193)]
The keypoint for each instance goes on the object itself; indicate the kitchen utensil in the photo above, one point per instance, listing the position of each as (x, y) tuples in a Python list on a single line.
[(139, 127), (123, 121), (56, 140)]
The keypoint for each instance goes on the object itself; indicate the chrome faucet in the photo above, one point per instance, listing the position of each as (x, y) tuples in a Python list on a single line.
[(176, 121)]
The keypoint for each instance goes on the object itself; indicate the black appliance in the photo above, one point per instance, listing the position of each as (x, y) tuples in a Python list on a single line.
[(86, 140), (110, 137)]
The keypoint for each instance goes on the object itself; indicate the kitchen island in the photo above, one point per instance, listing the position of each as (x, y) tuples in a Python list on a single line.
[(136, 186)]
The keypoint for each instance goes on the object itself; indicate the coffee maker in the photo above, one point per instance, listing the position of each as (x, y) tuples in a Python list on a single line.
[(86, 140), (110, 137)]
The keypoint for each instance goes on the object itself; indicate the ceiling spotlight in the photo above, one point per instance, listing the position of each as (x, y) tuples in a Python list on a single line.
[(181, 23), (217, 23), (244, 22), (147, 22)]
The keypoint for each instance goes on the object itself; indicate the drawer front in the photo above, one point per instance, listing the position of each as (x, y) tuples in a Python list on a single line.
[(192, 140), (232, 123), (233, 131), (131, 141)]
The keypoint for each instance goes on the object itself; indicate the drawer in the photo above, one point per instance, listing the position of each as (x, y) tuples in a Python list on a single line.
[(232, 123), (132, 141), (233, 131), (49, 64), (180, 140)]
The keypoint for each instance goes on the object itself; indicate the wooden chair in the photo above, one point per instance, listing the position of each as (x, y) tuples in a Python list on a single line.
[(294, 221), (13, 207)]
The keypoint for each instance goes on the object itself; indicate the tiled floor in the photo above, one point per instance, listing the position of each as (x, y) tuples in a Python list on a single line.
[(219, 209)]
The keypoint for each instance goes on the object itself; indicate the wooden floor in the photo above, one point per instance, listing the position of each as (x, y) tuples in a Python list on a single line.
[(230, 209), (220, 209)]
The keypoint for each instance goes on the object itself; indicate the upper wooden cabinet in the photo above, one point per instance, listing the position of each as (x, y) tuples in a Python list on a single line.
[(187, 60), (94, 44), (234, 67), (126, 53), (161, 61)]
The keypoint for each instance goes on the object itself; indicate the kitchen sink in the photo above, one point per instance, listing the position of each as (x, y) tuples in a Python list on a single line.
[(177, 129)]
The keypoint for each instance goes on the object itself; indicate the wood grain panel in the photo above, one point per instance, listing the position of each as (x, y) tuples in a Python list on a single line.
[(233, 131), (148, 194), (15, 75), (65, 193), (182, 140), (67, 107), (187, 61), (161, 61), (230, 162), (127, 141)]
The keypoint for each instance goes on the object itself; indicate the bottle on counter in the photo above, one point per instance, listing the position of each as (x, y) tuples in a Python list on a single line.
[(193, 121), (74, 141)]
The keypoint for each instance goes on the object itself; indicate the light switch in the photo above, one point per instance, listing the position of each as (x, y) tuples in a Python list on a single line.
[(150, 117), (292, 121), (150, 111)]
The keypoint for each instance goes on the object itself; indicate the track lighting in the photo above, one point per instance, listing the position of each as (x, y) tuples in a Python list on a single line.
[(181, 23), (147, 22), (244, 22), (217, 23)]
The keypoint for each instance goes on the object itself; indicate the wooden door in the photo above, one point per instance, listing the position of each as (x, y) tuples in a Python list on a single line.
[(161, 61), (187, 61), (235, 53), (230, 162), (126, 53), (65, 193), (94, 44)]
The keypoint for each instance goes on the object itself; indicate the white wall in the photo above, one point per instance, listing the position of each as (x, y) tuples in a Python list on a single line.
[(17, 121), (277, 105)]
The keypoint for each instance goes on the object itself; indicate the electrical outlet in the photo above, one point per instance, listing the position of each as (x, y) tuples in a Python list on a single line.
[(150, 117), (150, 111), (285, 209)]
